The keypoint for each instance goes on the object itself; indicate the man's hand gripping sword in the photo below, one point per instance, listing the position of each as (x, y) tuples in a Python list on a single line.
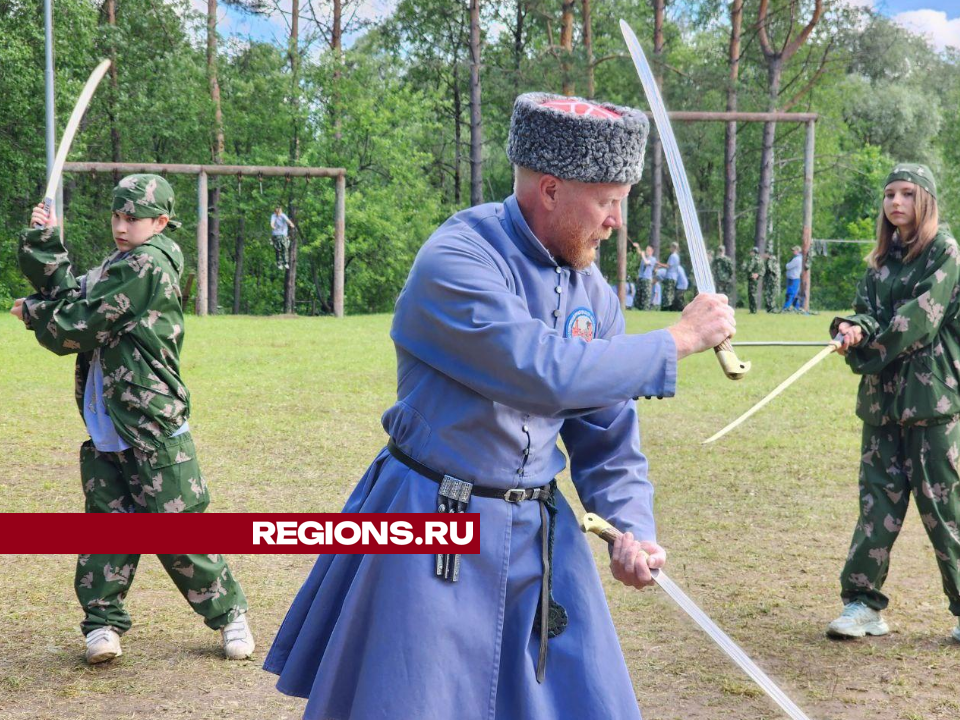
[(732, 366)]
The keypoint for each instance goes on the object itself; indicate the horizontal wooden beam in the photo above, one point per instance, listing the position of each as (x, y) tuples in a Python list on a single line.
[(696, 116), (174, 169)]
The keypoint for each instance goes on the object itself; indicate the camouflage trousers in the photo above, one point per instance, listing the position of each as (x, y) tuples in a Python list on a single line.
[(895, 462), (644, 294), (668, 293), (281, 244), (771, 293), (168, 480), (752, 287)]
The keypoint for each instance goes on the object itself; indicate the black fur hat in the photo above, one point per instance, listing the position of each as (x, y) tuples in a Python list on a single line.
[(576, 139)]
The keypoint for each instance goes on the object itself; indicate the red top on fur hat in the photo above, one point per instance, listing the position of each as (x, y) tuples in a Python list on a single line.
[(579, 107)]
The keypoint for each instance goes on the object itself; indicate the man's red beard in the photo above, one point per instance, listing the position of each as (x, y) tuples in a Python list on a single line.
[(577, 246)]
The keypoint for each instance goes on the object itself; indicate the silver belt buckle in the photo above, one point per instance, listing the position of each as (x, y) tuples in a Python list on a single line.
[(515, 495)]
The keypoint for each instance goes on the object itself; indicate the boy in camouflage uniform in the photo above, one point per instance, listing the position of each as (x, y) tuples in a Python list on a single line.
[(722, 268), (771, 281), (905, 341), (753, 269), (124, 321)]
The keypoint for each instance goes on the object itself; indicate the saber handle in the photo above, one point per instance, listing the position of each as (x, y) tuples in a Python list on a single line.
[(733, 367), (593, 523), (47, 205)]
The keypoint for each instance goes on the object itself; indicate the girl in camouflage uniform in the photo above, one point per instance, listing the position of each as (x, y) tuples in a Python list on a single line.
[(905, 341), (124, 321)]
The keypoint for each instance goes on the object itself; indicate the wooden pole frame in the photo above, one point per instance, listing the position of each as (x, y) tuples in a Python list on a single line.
[(204, 171), (810, 120)]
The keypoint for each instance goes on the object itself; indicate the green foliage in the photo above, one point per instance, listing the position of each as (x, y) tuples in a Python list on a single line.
[(395, 115)]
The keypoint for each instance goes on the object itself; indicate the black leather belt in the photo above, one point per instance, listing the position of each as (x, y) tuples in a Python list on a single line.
[(454, 496)]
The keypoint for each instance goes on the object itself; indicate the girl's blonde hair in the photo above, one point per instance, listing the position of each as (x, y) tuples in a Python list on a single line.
[(925, 229)]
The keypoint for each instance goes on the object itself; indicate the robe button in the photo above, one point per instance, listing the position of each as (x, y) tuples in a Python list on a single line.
[(556, 313), (526, 429), (558, 270), (559, 289)]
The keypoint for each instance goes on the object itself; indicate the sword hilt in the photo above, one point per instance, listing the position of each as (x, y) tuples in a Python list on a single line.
[(733, 367), (593, 523), (47, 204)]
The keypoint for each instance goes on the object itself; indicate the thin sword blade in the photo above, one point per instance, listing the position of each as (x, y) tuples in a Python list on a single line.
[(67, 139), (834, 344), (728, 646), (678, 174)]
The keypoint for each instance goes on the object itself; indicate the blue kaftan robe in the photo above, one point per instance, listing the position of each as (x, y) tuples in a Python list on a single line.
[(500, 350)]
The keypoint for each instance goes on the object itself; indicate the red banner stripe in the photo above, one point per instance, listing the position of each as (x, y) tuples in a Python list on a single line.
[(231, 533)]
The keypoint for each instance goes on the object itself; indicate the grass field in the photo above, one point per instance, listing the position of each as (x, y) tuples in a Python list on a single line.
[(286, 418)]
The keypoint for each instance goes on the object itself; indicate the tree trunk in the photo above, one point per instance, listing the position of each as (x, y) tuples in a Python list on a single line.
[(476, 127), (588, 47), (290, 281), (656, 149), (213, 204), (566, 46), (730, 146), (518, 46), (111, 8), (238, 265), (764, 191), (457, 136), (336, 41)]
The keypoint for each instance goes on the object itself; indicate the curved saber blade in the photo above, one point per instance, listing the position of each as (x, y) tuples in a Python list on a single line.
[(599, 526), (832, 347), (67, 139), (732, 366)]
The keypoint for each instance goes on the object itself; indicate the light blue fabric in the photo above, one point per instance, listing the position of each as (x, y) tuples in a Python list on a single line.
[(682, 282), (646, 267), (795, 267), (279, 223), (673, 263), (500, 353)]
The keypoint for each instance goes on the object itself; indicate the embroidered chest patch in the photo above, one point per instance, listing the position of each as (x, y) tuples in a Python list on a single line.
[(581, 323)]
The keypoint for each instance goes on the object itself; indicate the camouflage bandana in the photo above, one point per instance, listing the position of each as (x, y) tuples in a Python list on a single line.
[(917, 174), (145, 196)]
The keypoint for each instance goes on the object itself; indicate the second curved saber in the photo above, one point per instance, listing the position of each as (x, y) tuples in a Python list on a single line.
[(831, 348), (733, 367)]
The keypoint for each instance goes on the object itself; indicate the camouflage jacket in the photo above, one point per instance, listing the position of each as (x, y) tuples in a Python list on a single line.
[(722, 270), (754, 264), (129, 308), (910, 355), (771, 267)]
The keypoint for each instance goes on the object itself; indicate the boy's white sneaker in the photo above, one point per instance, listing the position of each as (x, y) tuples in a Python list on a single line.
[(238, 641), (858, 620), (102, 644), (956, 632)]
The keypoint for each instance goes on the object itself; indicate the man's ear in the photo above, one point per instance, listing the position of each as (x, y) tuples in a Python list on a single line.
[(549, 187)]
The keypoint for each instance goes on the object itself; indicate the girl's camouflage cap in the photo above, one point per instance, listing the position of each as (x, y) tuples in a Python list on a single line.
[(917, 174), (576, 139), (145, 196)]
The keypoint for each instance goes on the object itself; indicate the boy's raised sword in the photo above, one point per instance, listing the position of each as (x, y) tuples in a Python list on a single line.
[(67, 140), (732, 366), (598, 526)]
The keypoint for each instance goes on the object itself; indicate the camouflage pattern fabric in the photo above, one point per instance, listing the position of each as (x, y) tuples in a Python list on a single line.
[(644, 294), (129, 307), (723, 275), (145, 196), (166, 480), (753, 266), (668, 293), (771, 283), (897, 461), (281, 245), (910, 355)]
